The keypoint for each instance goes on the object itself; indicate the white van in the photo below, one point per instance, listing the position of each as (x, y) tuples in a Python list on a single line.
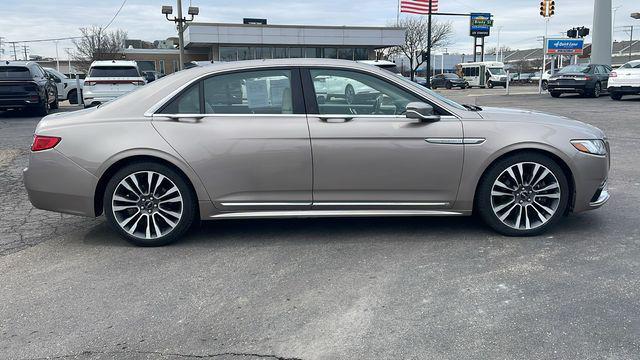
[(106, 80), (484, 74)]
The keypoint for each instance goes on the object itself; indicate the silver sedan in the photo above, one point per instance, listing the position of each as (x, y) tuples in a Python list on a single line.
[(260, 139)]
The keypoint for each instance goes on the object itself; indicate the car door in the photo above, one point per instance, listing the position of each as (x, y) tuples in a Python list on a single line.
[(603, 75), (368, 153), (246, 136), (437, 81)]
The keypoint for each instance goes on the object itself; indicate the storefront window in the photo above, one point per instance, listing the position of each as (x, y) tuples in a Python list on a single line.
[(295, 52), (280, 53), (345, 54), (330, 53), (244, 53), (361, 54), (228, 54), (264, 52), (312, 52)]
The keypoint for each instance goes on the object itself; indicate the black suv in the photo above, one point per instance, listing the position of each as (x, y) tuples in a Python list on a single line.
[(25, 85)]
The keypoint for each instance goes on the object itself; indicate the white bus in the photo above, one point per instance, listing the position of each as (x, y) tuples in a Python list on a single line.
[(484, 74)]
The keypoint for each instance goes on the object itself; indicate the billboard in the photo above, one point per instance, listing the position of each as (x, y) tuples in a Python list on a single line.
[(480, 24), (565, 46)]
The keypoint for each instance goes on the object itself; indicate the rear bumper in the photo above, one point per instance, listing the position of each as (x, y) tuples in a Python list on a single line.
[(56, 183), (18, 102), (577, 88), (624, 89)]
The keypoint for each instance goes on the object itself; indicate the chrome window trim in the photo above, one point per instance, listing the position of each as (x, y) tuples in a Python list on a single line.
[(388, 77), (176, 116)]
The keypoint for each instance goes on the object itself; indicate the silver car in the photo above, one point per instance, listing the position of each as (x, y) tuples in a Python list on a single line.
[(250, 139)]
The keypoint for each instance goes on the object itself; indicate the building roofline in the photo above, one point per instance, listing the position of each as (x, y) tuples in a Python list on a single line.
[(294, 26)]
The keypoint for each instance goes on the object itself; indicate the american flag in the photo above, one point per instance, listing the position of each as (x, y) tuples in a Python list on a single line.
[(418, 6)]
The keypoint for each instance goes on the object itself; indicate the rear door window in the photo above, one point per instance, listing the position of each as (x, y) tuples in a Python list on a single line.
[(114, 71), (250, 92)]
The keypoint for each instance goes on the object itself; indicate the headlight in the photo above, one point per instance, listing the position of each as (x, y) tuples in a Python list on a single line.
[(595, 147)]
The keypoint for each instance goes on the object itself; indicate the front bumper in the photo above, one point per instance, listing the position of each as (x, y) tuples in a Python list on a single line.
[(56, 183), (590, 175)]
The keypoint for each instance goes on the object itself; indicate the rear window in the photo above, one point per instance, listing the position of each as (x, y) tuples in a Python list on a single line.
[(14, 72), (631, 65), (393, 68), (114, 71)]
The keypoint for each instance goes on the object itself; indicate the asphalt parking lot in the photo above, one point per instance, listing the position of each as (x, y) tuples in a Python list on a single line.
[(399, 288)]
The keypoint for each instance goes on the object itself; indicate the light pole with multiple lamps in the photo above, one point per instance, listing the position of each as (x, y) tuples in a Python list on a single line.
[(180, 21)]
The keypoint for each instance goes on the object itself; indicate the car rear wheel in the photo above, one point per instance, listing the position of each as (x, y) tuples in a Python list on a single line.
[(73, 97), (149, 204), (596, 90), (555, 94), (523, 195), (490, 84), (55, 104), (545, 85), (43, 108), (349, 94), (616, 96)]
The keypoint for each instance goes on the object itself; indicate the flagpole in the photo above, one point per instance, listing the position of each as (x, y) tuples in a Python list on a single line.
[(398, 14), (427, 75)]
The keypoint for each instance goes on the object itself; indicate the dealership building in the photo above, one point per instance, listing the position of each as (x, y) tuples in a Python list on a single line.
[(231, 42)]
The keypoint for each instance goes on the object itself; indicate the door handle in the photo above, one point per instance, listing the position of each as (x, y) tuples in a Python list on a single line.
[(335, 119)]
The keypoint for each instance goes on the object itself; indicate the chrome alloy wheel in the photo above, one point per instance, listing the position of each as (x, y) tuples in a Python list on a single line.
[(147, 205), (525, 196)]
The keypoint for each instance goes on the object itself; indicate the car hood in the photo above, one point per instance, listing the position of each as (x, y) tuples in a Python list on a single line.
[(535, 117)]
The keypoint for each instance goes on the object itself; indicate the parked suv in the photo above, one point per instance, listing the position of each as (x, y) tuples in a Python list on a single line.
[(106, 80), (625, 80), (67, 88), (25, 85)]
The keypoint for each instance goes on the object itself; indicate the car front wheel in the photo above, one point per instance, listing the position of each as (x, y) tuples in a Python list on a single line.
[(523, 195), (555, 94), (149, 204), (616, 96)]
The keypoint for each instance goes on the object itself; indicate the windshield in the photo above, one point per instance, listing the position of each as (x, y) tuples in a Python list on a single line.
[(497, 71), (14, 72), (574, 69), (433, 93), (631, 65), (451, 76), (114, 71)]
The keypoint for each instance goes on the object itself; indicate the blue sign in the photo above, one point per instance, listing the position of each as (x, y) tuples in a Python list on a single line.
[(480, 24), (565, 46)]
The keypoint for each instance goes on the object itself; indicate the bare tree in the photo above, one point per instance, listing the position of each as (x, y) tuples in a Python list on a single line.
[(415, 41), (96, 43)]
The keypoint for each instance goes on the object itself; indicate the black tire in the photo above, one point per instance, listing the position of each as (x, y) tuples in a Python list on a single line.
[(483, 194), (545, 84), (349, 94), (72, 96), (42, 109), (555, 94), (597, 90), (189, 203), (448, 85), (490, 84), (616, 96), (55, 104), (433, 87)]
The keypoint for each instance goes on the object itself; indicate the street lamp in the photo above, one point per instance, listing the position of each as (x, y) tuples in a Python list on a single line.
[(180, 21)]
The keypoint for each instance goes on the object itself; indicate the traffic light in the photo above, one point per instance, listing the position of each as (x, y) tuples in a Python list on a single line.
[(543, 8), (573, 33), (583, 32), (552, 8)]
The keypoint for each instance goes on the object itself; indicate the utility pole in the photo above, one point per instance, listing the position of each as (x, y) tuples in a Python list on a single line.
[(25, 48), (15, 54), (1, 47), (180, 22), (601, 37), (57, 57)]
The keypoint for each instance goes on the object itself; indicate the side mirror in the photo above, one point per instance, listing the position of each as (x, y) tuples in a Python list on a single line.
[(421, 111)]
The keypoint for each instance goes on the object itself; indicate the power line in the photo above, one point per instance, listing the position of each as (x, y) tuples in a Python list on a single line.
[(42, 40), (116, 14)]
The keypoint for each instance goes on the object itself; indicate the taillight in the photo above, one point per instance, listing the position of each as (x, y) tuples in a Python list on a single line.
[(89, 83), (138, 83), (44, 142), (613, 74)]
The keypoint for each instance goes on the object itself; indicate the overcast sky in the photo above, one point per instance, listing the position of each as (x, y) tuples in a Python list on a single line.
[(519, 19)]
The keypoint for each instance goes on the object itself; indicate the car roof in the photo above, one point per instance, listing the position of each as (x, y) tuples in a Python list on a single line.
[(114, 63), (377, 62), (17, 63)]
